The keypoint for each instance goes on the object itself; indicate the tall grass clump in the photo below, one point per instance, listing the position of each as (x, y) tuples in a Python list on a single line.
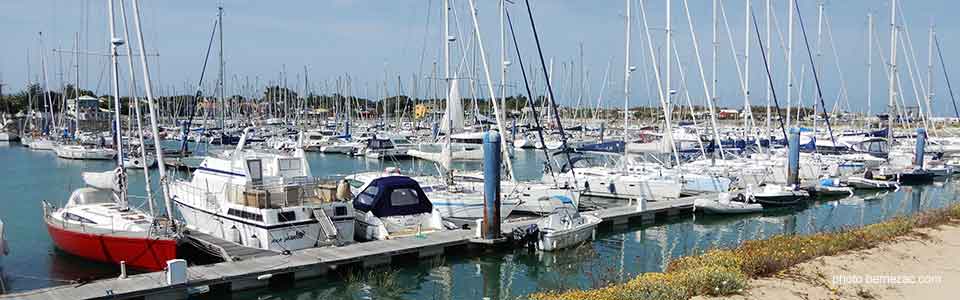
[(720, 272)]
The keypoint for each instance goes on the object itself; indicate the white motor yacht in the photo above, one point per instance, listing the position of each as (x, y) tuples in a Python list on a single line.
[(264, 200)]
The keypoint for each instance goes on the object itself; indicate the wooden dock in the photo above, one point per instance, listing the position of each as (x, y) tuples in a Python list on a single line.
[(260, 271)]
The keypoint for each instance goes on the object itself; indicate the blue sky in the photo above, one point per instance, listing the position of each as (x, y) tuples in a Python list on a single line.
[(371, 40)]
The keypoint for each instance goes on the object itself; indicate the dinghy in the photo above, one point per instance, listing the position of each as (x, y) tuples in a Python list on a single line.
[(871, 184), (727, 203), (566, 227), (828, 187), (775, 195)]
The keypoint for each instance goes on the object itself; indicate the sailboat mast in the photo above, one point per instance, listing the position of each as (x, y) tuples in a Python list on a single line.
[(869, 64), (716, 49), (154, 128), (892, 90), (135, 102), (769, 53), (930, 73), (790, 65), (626, 78), (747, 110), (220, 85), (115, 72), (76, 92), (668, 93)]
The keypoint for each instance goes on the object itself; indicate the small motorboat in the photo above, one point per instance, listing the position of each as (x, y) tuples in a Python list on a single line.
[(83, 152), (566, 227), (394, 206), (871, 184), (727, 203), (828, 187), (776, 195), (905, 176)]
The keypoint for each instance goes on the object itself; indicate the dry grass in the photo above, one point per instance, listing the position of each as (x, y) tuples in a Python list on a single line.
[(726, 271)]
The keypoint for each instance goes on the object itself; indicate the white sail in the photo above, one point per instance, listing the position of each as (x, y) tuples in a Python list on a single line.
[(454, 110), (102, 180)]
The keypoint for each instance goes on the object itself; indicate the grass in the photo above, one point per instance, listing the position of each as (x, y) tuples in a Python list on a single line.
[(722, 272)]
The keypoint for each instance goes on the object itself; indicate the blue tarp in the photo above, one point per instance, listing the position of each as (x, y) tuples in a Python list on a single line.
[(391, 196)]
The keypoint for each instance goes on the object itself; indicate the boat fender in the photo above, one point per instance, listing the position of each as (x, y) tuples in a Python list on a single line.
[(235, 235), (612, 188)]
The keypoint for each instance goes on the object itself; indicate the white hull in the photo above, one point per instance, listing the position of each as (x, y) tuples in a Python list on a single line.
[(41, 144), (553, 240), (79, 152), (339, 148), (8, 136), (248, 234), (467, 205)]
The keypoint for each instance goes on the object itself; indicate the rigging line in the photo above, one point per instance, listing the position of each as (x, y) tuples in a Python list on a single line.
[(816, 78), (533, 106), (943, 66), (553, 102), (203, 70), (766, 66)]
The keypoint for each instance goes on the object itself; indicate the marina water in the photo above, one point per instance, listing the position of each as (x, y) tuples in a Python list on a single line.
[(618, 253)]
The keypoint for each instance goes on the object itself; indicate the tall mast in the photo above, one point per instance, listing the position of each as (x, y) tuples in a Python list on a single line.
[(76, 92), (716, 50), (136, 107), (153, 112), (930, 73), (790, 64), (115, 69), (769, 53), (817, 63), (48, 102), (220, 84), (668, 93), (703, 79), (626, 78), (503, 60), (869, 64), (892, 90), (747, 110)]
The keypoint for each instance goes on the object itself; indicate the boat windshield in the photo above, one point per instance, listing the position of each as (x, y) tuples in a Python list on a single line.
[(89, 195), (366, 197)]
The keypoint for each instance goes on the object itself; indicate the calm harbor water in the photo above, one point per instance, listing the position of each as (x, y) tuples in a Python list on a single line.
[(618, 253)]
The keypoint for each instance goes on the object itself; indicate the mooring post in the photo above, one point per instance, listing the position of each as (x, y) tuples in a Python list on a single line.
[(491, 185), (123, 269), (793, 157), (921, 143)]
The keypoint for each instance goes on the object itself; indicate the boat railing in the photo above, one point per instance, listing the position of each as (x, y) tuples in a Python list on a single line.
[(296, 191), (196, 194)]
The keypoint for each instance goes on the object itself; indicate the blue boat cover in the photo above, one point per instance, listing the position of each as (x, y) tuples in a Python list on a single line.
[(393, 196)]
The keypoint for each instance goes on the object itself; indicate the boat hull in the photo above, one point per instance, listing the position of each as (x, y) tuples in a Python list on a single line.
[(144, 252)]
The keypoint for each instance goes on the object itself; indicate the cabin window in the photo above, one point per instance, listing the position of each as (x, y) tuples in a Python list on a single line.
[(366, 197), (289, 164), (404, 197), (255, 170), (76, 218), (286, 216), (245, 214)]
